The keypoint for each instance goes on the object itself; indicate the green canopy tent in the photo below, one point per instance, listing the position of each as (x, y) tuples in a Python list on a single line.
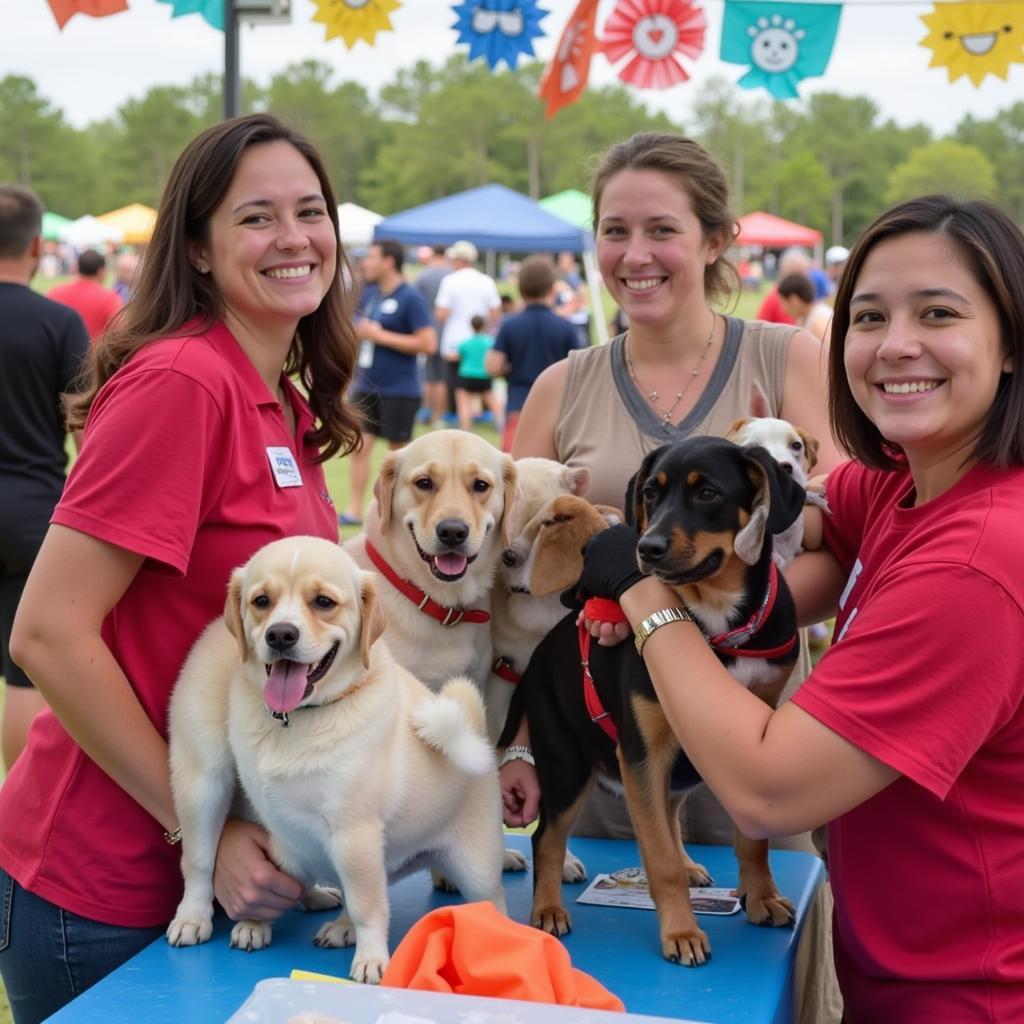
[(575, 207), (52, 223)]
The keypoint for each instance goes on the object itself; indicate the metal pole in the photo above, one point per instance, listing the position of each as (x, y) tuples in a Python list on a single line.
[(232, 106)]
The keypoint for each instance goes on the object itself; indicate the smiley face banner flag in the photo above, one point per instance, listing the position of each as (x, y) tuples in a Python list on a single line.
[(355, 19), (783, 43), (211, 10), (651, 33), (499, 30), (975, 39), (566, 76), (64, 10)]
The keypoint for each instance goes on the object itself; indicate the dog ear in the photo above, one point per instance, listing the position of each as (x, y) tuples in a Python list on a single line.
[(373, 620), (735, 432), (778, 502), (612, 516), (810, 448), (635, 490), (233, 612), (558, 560), (384, 489), (576, 481), (759, 408), (510, 512)]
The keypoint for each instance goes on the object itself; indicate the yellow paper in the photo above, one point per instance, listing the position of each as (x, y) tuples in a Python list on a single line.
[(975, 39), (355, 19), (299, 975)]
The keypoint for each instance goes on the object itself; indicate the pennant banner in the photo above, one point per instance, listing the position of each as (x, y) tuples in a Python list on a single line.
[(63, 10), (783, 43), (566, 76), (651, 33), (211, 10), (499, 30), (975, 39), (355, 19)]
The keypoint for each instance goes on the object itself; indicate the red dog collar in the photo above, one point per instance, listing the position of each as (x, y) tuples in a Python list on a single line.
[(503, 669), (445, 615)]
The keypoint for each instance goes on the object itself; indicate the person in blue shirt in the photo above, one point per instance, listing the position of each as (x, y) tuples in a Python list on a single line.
[(395, 326), (530, 341), (473, 378)]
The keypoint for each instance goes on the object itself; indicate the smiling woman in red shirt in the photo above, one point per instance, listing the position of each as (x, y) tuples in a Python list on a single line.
[(198, 450)]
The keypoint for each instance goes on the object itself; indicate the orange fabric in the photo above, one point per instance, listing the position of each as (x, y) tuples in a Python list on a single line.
[(566, 76), (474, 950), (63, 10)]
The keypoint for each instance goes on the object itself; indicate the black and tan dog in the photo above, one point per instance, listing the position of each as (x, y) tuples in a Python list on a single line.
[(706, 510)]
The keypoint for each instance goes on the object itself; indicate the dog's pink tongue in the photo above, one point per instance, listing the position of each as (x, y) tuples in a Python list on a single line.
[(451, 565), (285, 685)]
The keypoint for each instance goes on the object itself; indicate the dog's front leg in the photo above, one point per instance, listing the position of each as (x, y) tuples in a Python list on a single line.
[(203, 783), (358, 857), (763, 902)]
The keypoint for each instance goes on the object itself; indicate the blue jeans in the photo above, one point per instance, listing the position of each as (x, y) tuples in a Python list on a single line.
[(49, 955)]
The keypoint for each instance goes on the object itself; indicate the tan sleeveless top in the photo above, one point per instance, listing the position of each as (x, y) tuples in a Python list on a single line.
[(606, 424)]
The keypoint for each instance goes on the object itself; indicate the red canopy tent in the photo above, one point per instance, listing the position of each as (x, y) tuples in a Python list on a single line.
[(773, 232)]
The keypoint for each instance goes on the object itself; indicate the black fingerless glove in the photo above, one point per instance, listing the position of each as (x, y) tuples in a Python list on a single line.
[(609, 566)]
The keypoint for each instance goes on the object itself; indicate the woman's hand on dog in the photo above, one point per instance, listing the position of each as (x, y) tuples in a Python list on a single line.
[(246, 882), (520, 793)]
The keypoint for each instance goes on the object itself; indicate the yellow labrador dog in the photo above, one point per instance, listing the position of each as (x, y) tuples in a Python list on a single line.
[(357, 770), (434, 532)]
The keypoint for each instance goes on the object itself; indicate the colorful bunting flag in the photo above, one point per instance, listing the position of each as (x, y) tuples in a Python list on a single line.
[(355, 19), (566, 76), (975, 39), (785, 43), (499, 30), (63, 10), (651, 33), (211, 10)]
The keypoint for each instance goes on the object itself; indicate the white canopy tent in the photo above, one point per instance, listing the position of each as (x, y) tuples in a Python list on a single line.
[(357, 224), (88, 231)]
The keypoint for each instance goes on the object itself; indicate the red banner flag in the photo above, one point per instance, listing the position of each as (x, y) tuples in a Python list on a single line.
[(652, 34), (566, 76), (64, 9)]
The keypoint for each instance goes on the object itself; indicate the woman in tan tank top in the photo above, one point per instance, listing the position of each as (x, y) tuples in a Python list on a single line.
[(662, 226)]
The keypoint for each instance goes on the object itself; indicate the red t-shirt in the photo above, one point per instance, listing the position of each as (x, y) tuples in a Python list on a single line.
[(772, 311), (927, 675), (175, 466), (95, 304)]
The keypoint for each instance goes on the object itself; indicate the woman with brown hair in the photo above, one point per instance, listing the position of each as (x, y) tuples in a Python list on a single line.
[(198, 449)]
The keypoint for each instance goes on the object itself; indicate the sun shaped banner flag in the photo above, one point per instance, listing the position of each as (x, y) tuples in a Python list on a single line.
[(566, 76), (782, 43), (211, 10), (975, 39), (651, 33), (355, 19), (499, 30), (64, 10)]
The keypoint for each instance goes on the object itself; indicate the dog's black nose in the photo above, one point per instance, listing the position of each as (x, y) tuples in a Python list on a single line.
[(281, 635), (452, 532), (651, 548), (786, 467), (510, 557)]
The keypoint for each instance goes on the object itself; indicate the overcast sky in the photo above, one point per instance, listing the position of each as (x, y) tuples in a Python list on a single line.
[(91, 67)]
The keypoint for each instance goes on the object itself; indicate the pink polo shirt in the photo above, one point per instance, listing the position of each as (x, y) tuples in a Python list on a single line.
[(177, 465)]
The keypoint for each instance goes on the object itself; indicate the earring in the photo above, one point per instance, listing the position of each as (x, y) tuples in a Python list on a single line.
[(202, 268)]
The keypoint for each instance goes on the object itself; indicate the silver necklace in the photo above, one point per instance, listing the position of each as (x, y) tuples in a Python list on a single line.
[(652, 396)]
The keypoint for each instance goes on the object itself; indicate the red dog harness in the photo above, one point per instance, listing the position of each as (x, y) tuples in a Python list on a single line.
[(445, 615), (734, 642)]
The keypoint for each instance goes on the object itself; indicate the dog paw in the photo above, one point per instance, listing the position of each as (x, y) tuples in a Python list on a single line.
[(770, 910), (322, 897), (687, 946), (573, 869), (184, 931), (698, 875), (368, 970), (514, 861), (251, 935), (336, 934), (553, 920), (442, 884)]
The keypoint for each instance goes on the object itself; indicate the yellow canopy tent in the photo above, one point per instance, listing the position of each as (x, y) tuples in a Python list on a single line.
[(135, 222)]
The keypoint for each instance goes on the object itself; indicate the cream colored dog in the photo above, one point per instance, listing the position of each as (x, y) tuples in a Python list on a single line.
[(434, 532), (355, 768)]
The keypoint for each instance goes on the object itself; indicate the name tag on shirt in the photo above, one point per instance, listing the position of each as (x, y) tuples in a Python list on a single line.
[(284, 467)]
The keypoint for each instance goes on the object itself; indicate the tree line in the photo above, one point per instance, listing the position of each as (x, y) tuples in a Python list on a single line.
[(830, 161)]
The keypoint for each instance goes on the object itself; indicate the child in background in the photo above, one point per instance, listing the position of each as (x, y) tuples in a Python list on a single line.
[(473, 378)]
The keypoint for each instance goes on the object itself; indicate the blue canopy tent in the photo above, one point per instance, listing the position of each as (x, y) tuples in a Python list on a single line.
[(495, 219)]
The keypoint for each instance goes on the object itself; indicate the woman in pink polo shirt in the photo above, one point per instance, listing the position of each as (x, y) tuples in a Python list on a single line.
[(198, 450)]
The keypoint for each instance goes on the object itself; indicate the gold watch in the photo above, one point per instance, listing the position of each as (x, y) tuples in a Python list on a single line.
[(656, 620)]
